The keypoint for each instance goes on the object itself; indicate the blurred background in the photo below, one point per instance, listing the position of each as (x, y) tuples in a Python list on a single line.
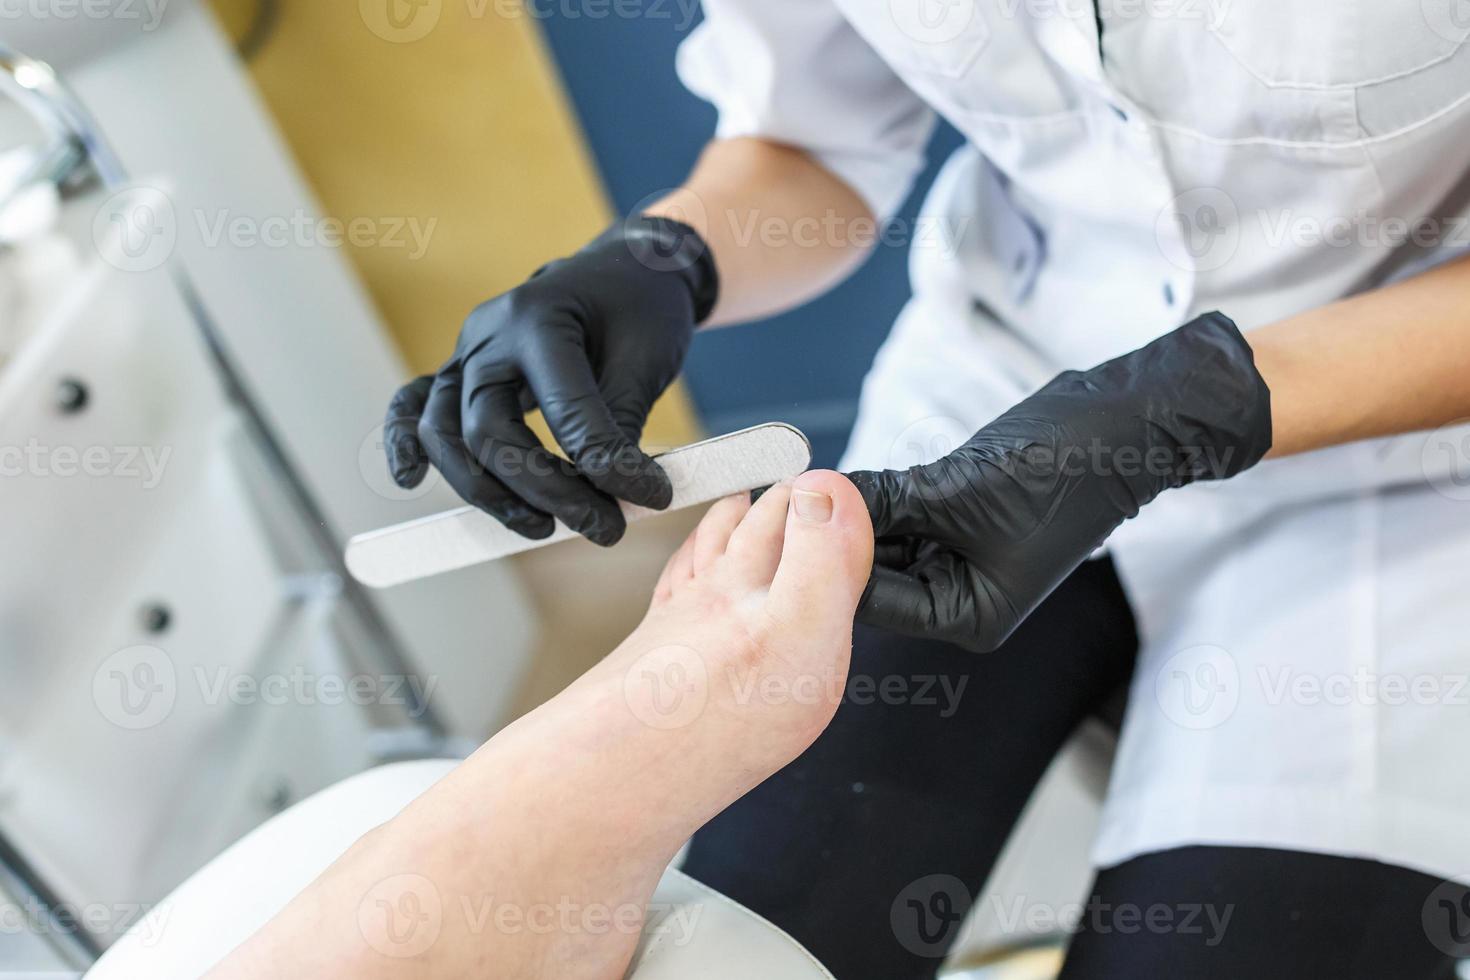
[(228, 231), (525, 134)]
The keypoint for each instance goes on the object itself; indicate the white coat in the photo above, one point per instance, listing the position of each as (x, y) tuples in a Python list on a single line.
[(1302, 681)]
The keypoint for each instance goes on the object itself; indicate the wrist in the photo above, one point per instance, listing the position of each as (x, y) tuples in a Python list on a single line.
[(1216, 399), (1190, 406), (671, 247), (1192, 402)]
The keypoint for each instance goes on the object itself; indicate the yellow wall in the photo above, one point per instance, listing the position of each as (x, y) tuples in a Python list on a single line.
[(467, 125)]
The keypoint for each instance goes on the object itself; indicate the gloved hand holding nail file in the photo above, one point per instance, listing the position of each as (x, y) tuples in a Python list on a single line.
[(592, 340), (697, 474), (969, 545)]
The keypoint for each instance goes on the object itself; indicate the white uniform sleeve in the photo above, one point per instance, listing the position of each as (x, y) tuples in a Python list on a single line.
[(795, 72)]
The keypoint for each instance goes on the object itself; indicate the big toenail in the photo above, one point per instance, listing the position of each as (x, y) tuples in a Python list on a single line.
[(812, 507)]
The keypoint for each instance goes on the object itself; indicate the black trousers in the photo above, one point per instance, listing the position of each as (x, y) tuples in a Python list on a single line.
[(868, 847)]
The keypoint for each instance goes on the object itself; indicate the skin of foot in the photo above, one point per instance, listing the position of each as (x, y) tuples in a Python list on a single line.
[(537, 856)]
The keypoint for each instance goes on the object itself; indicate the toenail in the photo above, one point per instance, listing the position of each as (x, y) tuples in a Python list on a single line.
[(812, 507)]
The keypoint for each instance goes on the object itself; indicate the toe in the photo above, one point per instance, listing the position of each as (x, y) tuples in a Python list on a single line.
[(678, 570), (827, 555), (755, 546), (713, 534)]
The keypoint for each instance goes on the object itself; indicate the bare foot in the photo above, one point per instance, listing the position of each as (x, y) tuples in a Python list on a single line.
[(537, 856)]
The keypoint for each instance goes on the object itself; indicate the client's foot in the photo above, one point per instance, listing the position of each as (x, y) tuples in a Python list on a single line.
[(743, 656), (536, 857)]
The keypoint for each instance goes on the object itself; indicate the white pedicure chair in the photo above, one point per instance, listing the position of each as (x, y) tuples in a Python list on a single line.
[(692, 931)]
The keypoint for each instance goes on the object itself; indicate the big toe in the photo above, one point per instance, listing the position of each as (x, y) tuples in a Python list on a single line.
[(827, 555)]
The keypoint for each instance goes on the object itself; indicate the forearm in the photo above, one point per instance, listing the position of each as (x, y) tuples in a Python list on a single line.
[(1392, 360), (782, 228)]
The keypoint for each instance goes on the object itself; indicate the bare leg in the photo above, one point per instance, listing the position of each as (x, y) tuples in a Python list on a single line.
[(536, 857)]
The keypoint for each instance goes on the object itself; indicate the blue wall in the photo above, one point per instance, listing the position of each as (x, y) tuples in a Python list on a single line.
[(645, 130)]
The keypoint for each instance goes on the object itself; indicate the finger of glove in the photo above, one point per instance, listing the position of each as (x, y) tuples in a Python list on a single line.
[(898, 553), (898, 601), (561, 377), (501, 442), (439, 435), (629, 408), (407, 462), (928, 603), (897, 507)]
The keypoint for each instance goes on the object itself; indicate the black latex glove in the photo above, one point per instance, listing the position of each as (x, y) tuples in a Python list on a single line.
[(969, 545), (592, 340)]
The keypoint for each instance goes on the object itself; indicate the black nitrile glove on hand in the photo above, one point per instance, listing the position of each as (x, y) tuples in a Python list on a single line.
[(969, 545), (592, 340)]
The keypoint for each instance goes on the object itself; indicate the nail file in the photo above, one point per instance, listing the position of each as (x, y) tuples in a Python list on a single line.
[(701, 474)]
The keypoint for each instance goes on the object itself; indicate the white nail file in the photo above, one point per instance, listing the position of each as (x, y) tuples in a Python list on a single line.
[(701, 474)]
